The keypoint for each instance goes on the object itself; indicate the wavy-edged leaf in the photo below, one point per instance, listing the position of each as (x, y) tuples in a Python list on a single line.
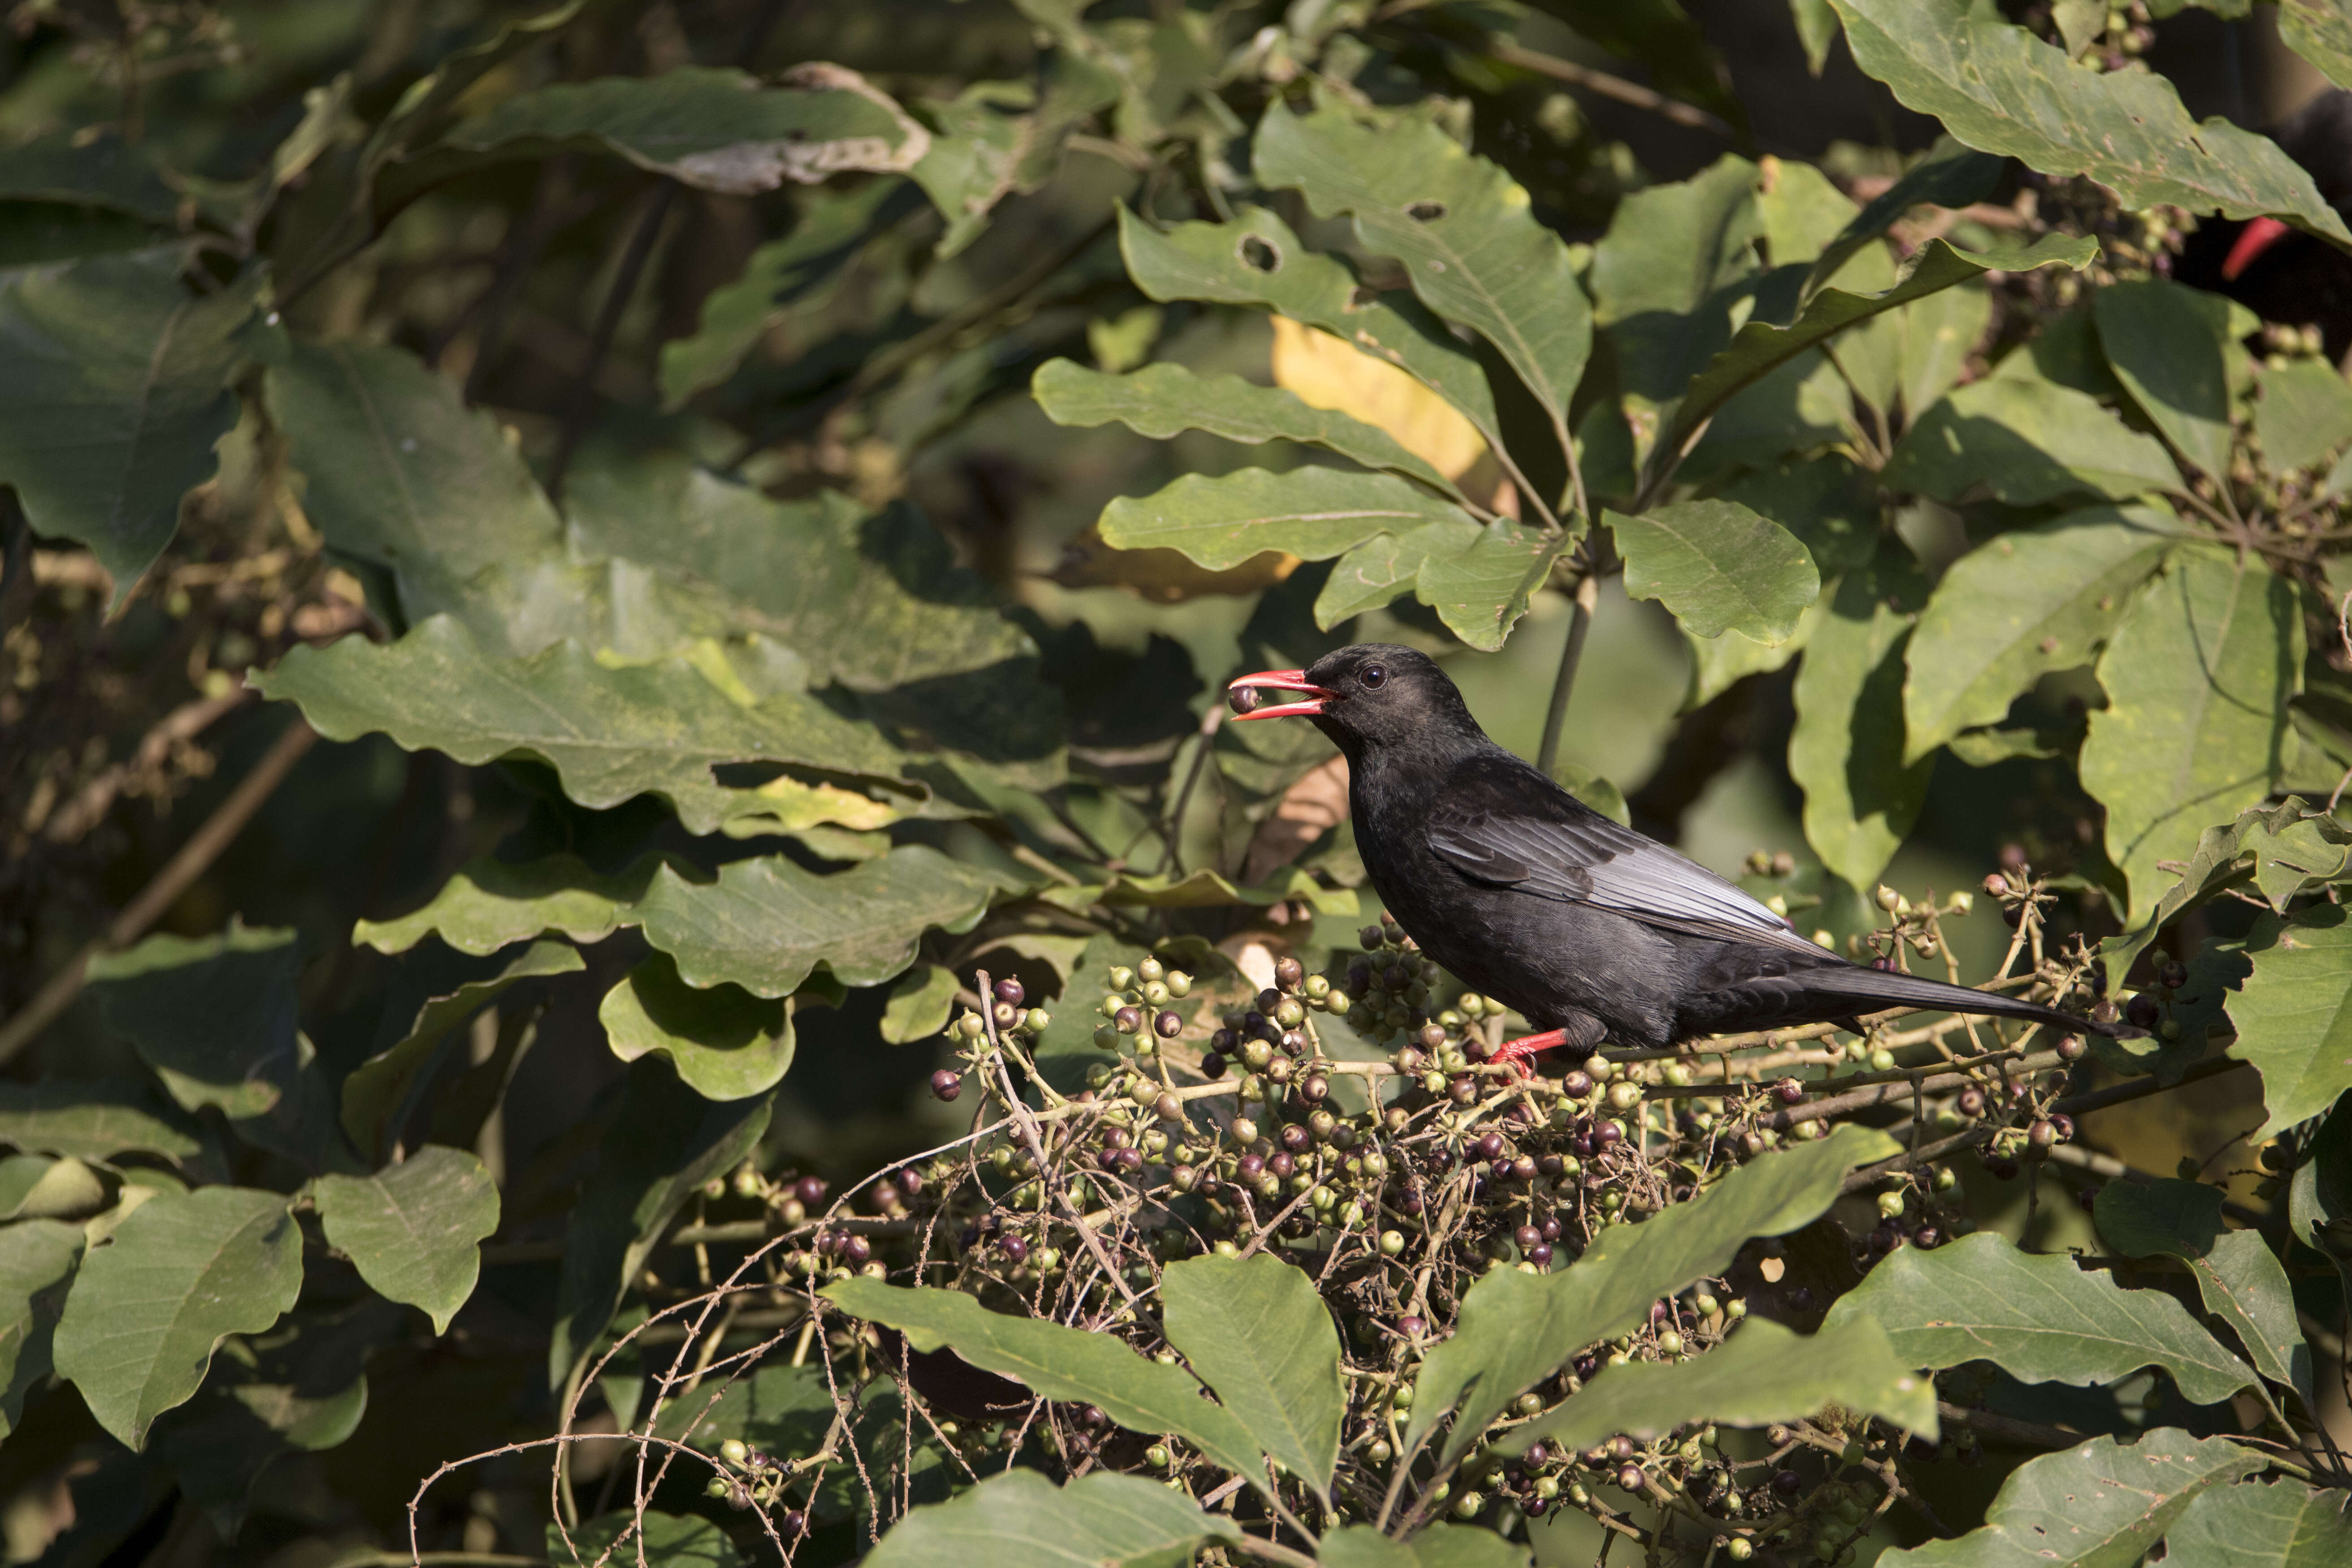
[(117, 390), (2166, 343), (2321, 32), (2295, 1013), (34, 1186), (1846, 750), (2198, 676), (1464, 228), (724, 1042), (38, 1257), (1021, 1520), (184, 1272), (1719, 567), (1331, 373), (1481, 592), (493, 902), (1439, 1546), (1160, 400), (94, 1120), (1313, 513), (1255, 1330), (414, 1229), (1058, 1363), (1517, 1329), (2027, 440), (2023, 605), (2263, 1525), (2000, 89), (2039, 1318), (1763, 1374)]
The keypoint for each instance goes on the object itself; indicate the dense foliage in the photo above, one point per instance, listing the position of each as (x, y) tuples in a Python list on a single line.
[(632, 931)]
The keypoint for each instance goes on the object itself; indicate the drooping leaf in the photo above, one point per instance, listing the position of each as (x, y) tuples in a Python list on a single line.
[(147, 1309), (1517, 1329), (1948, 175), (94, 1120), (2321, 32), (2295, 1013), (36, 1260), (1162, 399), (1481, 592), (1439, 1546), (1719, 567), (1846, 750), (2280, 1523), (413, 1229), (2304, 416), (1387, 566), (2026, 440), (2039, 1318), (2167, 1216), (1313, 513), (1255, 1330), (919, 1003), (2166, 343), (1020, 1518), (116, 392), (1999, 89), (1763, 1374), (1465, 230), (34, 1186), (2319, 1197), (724, 1042), (2026, 602), (2198, 677), (1058, 1363), (97, 171)]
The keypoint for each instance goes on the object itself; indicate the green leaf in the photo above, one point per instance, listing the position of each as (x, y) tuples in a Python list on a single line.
[(2038, 1317), (37, 1260), (1719, 567), (2166, 343), (2321, 32), (1439, 1546), (493, 902), (1516, 1330), (2282, 848), (1255, 1330), (2198, 677), (2257, 1524), (400, 473), (1057, 1363), (665, 1540), (1817, 29), (2167, 1216), (1020, 1518), (2319, 1198), (33, 1187), (712, 128), (724, 1043), (1763, 1374), (1257, 261), (97, 171), (1162, 399), (2100, 1503), (919, 1003), (1463, 230), (94, 1120), (2295, 1014), (147, 1309), (1947, 175), (413, 1229), (1662, 37), (2026, 441), (2240, 1281), (2304, 416), (380, 1091), (1999, 89), (117, 390), (1481, 592), (1313, 513), (1846, 750), (665, 1142), (611, 733), (2027, 603), (1594, 790)]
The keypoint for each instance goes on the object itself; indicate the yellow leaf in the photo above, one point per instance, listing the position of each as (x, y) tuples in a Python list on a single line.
[(1327, 372)]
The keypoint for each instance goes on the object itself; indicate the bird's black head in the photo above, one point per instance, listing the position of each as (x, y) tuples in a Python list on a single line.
[(1365, 695)]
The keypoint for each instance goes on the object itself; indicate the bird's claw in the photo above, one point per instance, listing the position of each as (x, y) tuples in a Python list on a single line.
[(1516, 1054)]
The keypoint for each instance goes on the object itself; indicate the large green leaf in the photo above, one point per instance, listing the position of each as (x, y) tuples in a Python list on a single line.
[(2321, 32), (2026, 440), (2196, 730), (2257, 1524), (724, 1042), (1719, 567), (94, 1120), (1846, 750), (117, 390), (1439, 1546), (1481, 592), (2098, 1504), (413, 1229), (1058, 1363), (493, 902), (72, 165), (2166, 343), (2027, 603), (1313, 513), (2039, 1318), (1160, 400), (2000, 89), (2319, 1198), (182, 1273), (1763, 1374), (1255, 1330), (2295, 1014), (2304, 416), (36, 1260), (1020, 1518), (1388, 565), (2242, 1282), (1463, 230), (1517, 1329), (2282, 849), (2169, 1216), (921, 1001)]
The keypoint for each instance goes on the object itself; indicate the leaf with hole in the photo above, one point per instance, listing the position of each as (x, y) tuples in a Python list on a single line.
[(2321, 32)]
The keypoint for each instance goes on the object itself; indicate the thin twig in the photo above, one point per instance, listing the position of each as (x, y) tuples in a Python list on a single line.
[(1586, 599), (1618, 87), (608, 322)]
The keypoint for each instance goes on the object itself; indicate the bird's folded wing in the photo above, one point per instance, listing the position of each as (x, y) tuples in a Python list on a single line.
[(1517, 829)]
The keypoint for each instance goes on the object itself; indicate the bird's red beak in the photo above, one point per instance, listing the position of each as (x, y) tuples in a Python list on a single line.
[(2253, 240), (1278, 681)]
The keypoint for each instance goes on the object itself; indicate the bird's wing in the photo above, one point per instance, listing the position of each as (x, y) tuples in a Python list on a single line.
[(1499, 821)]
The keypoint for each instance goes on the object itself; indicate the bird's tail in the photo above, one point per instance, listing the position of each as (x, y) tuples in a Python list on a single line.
[(1880, 988)]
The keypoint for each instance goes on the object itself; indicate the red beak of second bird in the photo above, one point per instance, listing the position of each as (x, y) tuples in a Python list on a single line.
[(1282, 680)]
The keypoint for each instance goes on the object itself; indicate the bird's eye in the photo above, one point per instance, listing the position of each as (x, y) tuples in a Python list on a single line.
[(1372, 678)]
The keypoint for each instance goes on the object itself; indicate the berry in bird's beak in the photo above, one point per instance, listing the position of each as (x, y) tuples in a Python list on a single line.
[(1245, 695)]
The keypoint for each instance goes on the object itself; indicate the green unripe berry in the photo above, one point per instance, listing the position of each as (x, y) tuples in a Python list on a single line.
[(1178, 984), (1403, 1398), (734, 1451), (1391, 1243), (1379, 1453), (1121, 977), (1671, 1342), (1467, 1505), (1890, 1204), (1156, 1456), (1036, 1020), (1152, 969), (1738, 1548)]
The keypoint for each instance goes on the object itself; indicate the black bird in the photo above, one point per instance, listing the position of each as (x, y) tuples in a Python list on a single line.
[(2283, 274), (1591, 931)]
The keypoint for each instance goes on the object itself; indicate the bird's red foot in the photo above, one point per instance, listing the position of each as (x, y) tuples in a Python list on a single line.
[(1515, 1054)]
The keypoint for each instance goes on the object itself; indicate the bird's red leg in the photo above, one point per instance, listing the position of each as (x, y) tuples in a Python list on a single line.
[(1514, 1054)]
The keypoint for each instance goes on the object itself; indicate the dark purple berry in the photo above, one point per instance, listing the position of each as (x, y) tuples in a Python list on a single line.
[(1168, 1026), (1010, 993), (1490, 1147), (1790, 1090), (1283, 1163), (946, 1085), (1244, 699), (1015, 1250), (1629, 1478), (1288, 972), (2142, 1010), (1250, 1168), (1539, 1254), (1295, 1138), (810, 1190), (856, 1250), (1576, 1084), (1410, 1327), (1213, 1066), (1526, 1236), (1127, 1020), (1787, 1482)]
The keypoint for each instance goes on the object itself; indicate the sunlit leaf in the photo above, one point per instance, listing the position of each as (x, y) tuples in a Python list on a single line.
[(1481, 592), (412, 1229), (1313, 513), (94, 1120), (1255, 1330), (724, 1042), (493, 902), (1719, 566), (1020, 1518), (1948, 175), (2304, 416), (1331, 373), (2321, 32), (2295, 1013), (919, 1003)]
